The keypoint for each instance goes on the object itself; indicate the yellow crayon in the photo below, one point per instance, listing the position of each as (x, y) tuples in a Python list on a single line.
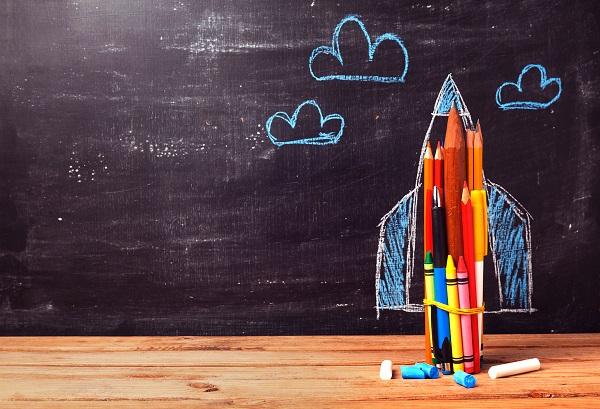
[(455, 328)]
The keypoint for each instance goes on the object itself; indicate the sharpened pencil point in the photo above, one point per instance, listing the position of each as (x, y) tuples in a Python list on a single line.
[(465, 194), (428, 153), (438, 151)]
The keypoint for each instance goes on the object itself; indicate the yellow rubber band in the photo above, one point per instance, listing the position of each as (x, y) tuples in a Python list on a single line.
[(454, 310)]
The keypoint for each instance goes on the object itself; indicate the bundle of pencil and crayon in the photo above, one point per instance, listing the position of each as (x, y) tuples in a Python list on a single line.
[(455, 244)]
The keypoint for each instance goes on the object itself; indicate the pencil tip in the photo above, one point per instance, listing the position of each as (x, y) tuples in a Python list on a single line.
[(438, 152), (428, 154), (465, 194), (470, 138)]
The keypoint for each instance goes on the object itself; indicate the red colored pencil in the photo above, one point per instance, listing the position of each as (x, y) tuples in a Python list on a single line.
[(438, 170), (427, 198), (469, 257)]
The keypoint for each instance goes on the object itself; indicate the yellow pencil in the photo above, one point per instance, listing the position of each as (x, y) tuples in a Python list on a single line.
[(455, 328)]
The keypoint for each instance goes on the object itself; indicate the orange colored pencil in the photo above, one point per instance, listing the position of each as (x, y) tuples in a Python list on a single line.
[(469, 257), (477, 159), (454, 176), (470, 139), (438, 164)]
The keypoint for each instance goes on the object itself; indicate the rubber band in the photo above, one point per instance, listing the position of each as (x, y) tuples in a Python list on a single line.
[(454, 310)]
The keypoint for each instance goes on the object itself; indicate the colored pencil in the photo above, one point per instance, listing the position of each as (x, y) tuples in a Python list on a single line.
[(455, 327), (438, 172), (442, 347), (478, 245), (427, 194), (470, 138), (477, 159), (454, 176), (427, 239), (430, 331), (465, 320), (469, 257), (478, 174)]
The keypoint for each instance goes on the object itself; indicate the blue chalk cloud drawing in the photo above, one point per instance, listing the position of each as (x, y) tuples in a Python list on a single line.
[(523, 102), (320, 138), (509, 235), (334, 50)]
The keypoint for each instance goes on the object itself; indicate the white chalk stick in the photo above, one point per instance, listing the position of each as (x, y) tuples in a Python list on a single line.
[(514, 368), (385, 371)]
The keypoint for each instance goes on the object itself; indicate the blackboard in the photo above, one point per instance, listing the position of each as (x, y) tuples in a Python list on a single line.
[(140, 192)]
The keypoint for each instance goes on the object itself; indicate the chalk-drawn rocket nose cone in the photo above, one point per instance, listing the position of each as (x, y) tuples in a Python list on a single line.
[(509, 234)]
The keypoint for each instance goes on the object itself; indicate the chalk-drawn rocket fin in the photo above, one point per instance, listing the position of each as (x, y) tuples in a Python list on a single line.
[(509, 234), (510, 245)]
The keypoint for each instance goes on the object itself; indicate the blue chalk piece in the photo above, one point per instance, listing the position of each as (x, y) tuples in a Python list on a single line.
[(411, 372), (464, 379), (430, 371)]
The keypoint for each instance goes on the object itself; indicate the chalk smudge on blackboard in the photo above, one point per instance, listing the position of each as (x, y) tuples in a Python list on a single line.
[(510, 235), (318, 138), (335, 52), (524, 99)]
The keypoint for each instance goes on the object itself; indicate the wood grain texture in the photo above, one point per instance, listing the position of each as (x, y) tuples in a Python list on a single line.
[(281, 372)]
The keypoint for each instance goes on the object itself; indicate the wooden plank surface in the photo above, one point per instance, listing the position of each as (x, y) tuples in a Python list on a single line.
[(281, 372)]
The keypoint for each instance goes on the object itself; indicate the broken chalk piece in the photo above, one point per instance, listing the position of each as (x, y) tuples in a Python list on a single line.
[(411, 372), (430, 371), (514, 368), (385, 370), (464, 379)]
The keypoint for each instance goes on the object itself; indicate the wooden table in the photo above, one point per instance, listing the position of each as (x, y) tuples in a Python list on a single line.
[(282, 372)]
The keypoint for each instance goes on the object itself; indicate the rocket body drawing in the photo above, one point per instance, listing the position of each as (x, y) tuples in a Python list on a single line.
[(509, 234)]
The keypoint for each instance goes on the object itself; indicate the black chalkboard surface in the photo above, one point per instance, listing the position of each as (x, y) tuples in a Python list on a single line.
[(151, 181)]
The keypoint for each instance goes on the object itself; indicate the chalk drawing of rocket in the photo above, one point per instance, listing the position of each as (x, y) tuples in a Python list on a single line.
[(509, 235)]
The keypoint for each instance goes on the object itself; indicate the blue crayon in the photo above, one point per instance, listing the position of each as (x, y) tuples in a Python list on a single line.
[(464, 379), (430, 371), (411, 372)]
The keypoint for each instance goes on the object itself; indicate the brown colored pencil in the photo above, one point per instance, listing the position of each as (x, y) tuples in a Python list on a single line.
[(454, 177)]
